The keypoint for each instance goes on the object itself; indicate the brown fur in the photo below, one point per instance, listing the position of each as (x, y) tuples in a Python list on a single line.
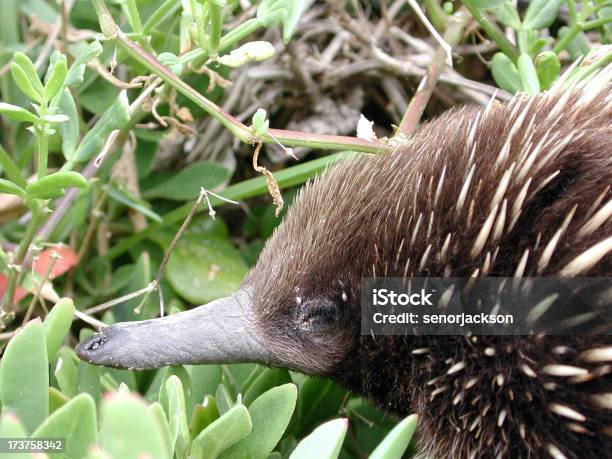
[(398, 215)]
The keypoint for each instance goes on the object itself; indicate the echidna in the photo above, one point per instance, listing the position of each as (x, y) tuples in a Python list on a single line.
[(517, 190)]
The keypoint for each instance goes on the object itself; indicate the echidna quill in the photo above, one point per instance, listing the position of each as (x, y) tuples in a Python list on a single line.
[(521, 190)]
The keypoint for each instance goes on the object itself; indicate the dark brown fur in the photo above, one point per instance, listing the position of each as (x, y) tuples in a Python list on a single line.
[(379, 216)]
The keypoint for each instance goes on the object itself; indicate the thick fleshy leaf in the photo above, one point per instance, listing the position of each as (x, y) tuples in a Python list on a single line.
[(541, 14), (84, 54), (57, 76), (548, 67), (11, 427), (202, 270), (203, 415), (57, 324), (49, 186), (56, 399), (319, 399), (76, 422), (10, 188), (24, 376), (115, 117), (65, 371), (88, 380), (160, 416), (17, 113), (224, 432), (128, 430), (24, 83), (267, 379), (185, 184), (69, 130), (270, 415), (324, 442), (395, 443), (505, 73), (528, 74), (177, 416)]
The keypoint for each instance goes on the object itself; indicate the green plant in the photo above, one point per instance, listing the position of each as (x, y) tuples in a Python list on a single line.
[(531, 66)]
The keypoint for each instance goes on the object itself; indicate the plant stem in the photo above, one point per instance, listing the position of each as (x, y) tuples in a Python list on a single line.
[(574, 30), (414, 112), (238, 129), (438, 16), (24, 245), (492, 30), (43, 153)]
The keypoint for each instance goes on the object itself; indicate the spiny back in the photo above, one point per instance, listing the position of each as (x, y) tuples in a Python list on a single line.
[(522, 188)]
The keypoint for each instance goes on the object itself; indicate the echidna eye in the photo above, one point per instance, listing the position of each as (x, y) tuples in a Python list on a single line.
[(316, 315)]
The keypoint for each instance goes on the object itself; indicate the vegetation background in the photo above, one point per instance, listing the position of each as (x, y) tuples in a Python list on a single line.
[(122, 120)]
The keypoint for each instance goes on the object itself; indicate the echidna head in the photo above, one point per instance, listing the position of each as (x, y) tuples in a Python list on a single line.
[(296, 309)]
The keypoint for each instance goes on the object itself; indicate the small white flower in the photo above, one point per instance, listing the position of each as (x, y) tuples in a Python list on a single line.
[(364, 129)]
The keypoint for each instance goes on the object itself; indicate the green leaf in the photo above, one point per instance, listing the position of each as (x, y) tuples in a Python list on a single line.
[(84, 54), (177, 416), (22, 81), (66, 371), (293, 16), (28, 67), (505, 73), (24, 376), (56, 79), (202, 270), (50, 185), (115, 117), (319, 399), (57, 325), (284, 12), (185, 185), (547, 67), (56, 399), (140, 277), (128, 430), (124, 197), (223, 399), (528, 74), (395, 443), (224, 432), (160, 416), (76, 422), (11, 188), (487, 4), (324, 442), (270, 414), (541, 14), (68, 131), (267, 379), (205, 379), (183, 375), (88, 380), (203, 415), (17, 113), (508, 15), (11, 427)]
